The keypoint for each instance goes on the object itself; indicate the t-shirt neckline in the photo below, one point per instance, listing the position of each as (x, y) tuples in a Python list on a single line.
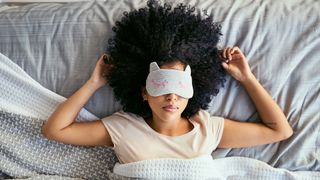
[(195, 125)]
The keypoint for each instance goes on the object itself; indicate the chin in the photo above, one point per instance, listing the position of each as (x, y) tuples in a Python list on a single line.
[(170, 115)]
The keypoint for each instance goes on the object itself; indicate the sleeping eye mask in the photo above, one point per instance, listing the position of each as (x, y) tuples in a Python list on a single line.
[(166, 81)]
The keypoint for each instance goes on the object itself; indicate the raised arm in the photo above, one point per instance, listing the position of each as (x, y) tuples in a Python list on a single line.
[(61, 125), (275, 126)]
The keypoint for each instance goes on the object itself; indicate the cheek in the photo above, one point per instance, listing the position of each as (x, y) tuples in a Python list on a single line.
[(185, 103), (153, 101)]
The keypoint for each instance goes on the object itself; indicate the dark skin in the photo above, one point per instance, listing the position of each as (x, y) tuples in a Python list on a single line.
[(62, 127)]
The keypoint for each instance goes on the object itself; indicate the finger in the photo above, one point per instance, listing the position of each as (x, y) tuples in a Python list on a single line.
[(229, 54), (106, 59), (234, 49), (224, 53), (220, 54), (101, 57), (225, 65)]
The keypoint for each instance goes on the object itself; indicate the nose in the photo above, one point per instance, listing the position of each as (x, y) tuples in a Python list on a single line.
[(171, 96)]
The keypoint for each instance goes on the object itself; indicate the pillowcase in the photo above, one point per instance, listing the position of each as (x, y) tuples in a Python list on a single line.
[(58, 45)]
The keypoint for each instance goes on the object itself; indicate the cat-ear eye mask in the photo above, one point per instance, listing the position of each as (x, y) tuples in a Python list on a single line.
[(166, 81)]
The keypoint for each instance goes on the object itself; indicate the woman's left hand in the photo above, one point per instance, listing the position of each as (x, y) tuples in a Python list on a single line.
[(235, 64)]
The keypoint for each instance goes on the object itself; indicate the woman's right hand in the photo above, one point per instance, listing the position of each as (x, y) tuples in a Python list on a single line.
[(98, 77)]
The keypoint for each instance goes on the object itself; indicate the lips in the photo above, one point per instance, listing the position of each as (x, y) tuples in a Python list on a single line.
[(170, 108)]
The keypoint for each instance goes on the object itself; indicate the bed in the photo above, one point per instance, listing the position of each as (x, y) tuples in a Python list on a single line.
[(57, 45)]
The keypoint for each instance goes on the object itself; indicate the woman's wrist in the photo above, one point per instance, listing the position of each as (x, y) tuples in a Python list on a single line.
[(92, 85), (247, 79)]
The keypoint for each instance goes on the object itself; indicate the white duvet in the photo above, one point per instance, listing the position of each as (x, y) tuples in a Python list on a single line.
[(204, 167)]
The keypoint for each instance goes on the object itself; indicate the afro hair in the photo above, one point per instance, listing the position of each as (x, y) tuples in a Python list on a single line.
[(164, 34)]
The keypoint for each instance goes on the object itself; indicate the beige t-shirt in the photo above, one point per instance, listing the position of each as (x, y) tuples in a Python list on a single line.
[(134, 140)]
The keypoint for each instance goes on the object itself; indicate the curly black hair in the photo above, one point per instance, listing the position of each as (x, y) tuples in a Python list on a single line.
[(164, 34)]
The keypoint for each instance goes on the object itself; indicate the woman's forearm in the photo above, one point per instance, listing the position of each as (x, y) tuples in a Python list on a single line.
[(66, 112), (271, 114)]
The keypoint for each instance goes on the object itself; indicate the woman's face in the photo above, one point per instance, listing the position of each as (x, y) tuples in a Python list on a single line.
[(168, 106)]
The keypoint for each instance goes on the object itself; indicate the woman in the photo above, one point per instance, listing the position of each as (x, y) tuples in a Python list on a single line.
[(168, 43)]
